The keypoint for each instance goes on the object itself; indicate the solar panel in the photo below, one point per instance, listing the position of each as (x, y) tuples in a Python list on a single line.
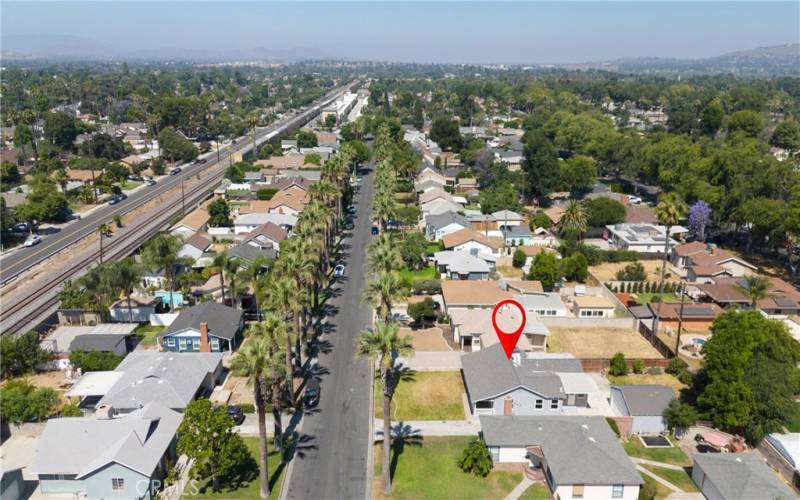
[(785, 302), (698, 311)]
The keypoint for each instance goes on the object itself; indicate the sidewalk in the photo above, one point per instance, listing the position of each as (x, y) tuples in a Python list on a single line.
[(250, 425), (432, 427), (433, 361), (520, 488)]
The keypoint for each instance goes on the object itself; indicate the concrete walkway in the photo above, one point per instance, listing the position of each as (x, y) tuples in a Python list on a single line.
[(520, 488), (431, 427), (644, 461), (659, 479), (430, 361)]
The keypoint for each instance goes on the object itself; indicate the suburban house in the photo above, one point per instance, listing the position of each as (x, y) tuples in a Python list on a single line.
[(434, 194), (266, 235), (108, 455), (703, 263), (782, 451), (737, 476), (172, 379), (523, 287), (427, 185), (577, 457), (472, 294), (782, 298), (645, 404), (542, 237), (138, 310), (194, 222), (592, 306), (473, 331), (529, 383), (110, 337), (249, 221), (554, 214), (466, 185), (472, 241), (462, 265), (194, 247), (205, 327), (517, 235), (439, 206), (480, 221), (507, 218), (648, 238), (437, 226), (288, 201), (116, 343), (696, 317), (429, 174), (543, 304)]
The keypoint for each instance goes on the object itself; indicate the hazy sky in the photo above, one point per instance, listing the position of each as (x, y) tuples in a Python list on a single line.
[(537, 32)]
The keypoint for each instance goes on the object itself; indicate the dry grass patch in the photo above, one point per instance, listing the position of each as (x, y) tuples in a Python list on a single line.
[(510, 272), (598, 342), (428, 339), (607, 271), (429, 396), (647, 379)]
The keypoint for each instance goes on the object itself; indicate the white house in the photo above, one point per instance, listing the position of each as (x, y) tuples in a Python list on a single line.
[(545, 304), (469, 240), (592, 306), (641, 237), (644, 403)]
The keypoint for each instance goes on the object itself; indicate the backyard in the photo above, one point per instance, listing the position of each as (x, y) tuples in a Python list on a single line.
[(426, 273), (648, 379), (510, 272), (426, 469), (250, 487), (667, 298), (427, 396), (536, 491), (673, 455), (607, 271), (681, 479), (599, 342), (429, 339), (148, 333)]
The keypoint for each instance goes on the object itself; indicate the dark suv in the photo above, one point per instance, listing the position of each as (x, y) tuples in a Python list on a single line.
[(311, 397), (236, 413)]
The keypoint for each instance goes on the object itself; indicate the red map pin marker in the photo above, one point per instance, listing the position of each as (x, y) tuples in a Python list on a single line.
[(508, 339)]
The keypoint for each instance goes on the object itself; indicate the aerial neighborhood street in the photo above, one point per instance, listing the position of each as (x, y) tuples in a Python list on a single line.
[(411, 251)]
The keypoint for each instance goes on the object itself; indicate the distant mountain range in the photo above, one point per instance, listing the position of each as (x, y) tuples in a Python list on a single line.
[(763, 61)]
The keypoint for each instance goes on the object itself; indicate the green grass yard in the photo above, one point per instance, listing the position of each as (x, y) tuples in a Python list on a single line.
[(128, 185), (148, 333), (426, 273), (428, 471), (536, 492), (646, 298), (681, 479), (249, 489), (430, 396), (674, 455), (661, 491)]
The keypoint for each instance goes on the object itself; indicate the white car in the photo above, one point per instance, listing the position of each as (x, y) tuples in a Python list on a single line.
[(338, 271), (634, 200), (32, 240)]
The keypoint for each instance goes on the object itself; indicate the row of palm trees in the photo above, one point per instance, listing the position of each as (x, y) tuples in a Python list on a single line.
[(383, 345)]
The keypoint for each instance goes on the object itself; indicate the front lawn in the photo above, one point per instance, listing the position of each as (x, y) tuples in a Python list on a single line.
[(647, 379), (251, 488), (667, 298), (536, 491), (428, 470), (149, 333), (679, 478), (128, 185), (674, 455), (426, 273), (429, 396), (434, 247), (660, 490)]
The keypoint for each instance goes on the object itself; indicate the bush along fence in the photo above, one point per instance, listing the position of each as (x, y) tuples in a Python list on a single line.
[(640, 286)]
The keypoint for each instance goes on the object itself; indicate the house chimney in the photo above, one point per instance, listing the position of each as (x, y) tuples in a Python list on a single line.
[(508, 406), (205, 345)]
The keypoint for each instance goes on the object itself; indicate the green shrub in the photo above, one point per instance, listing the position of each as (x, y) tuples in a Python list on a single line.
[(92, 361), (654, 371), (618, 366), (266, 194), (679, 414), (21, 402), (648, 491), (632, 272), (422, 311), (248, 408), (614, 427), (426, 287), (70, 410), (476, 458), (638, 366)]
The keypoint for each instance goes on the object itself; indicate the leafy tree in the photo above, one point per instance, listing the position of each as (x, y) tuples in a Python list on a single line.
[(176, 147), (219, 213), (540, 219), (500, 196), (446, 134), (578, 173), (161, 252), (680, 414), (603, 211), (518, 259), (21, 402), (94, 361), (632, 272), (414, 249), (206, 435), (9, 174), (21, 354), (747, 121), (575, 267), (786, 135), (330, 121), (60, 129), (422, 311), (711, 118), (544, 268), (104, 146), (541, 166), (476, 458), (312, 159), (44, 203), (70, 410), (306, 139), (618, 366)]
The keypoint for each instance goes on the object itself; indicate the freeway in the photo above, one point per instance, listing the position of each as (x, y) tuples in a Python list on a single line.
[(23, 258), (334, 441)]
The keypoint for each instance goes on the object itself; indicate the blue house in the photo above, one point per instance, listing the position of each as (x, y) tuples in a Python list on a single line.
[(206, 327)]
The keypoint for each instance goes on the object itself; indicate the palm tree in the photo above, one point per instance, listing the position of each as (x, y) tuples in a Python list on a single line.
[(669, 211), (383, 291), (273, 330), (252, 120), (62, 179), (384, 345), (252, 361), (230, 270), (756, 288), (103, 229), (126, 274), (574, 219), (253, 274), (282, 296), (161, 252), (384, 254)]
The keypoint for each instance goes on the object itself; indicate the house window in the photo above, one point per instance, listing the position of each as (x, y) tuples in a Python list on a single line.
[(577, 491), (171, 342), (617, 490), (182, 344), (196, 344), (539, 404), (554, 404), (117, 483), (215, 345)]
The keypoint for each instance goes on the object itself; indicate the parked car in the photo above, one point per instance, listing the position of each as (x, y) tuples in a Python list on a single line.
[(135, 178), (376, 230), (114, 200), (150, 182), (24, 227), (634, 200), (200, 161), (348, 225), (311, 397), (32, 240), (338, 271), (236, 413)]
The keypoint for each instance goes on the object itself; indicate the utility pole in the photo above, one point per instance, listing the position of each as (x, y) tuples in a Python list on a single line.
[(217, 141), (183, 200), (680, 318)]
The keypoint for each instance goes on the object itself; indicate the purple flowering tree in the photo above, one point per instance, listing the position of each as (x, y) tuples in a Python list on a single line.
[(699, 218)]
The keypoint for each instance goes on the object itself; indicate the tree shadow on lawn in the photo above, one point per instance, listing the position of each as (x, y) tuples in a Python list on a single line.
[(403, 436)]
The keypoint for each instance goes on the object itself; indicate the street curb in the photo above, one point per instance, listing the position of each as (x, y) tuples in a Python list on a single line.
[(287, 478), (371, 448)]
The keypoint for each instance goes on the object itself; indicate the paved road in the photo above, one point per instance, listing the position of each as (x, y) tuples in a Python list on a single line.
[(334, 465), (55, 239)]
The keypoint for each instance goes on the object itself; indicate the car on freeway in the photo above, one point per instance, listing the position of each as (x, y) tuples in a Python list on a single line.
[(200, 161), (150, 182), (236, 413), (32, 240), (175, 171), (338, 271), (114, 200), (311, 397)]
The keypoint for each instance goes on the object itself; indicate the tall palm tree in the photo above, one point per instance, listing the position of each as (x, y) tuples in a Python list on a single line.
[(669, 211), (574, 219), (252, 121), (230, 270), (384, 254), (282, 296), (161, 252), (383, 345), (274, 332), (253, 274), (252, 361), (383, 291), (756, 288), (102, 229), (126, 274)]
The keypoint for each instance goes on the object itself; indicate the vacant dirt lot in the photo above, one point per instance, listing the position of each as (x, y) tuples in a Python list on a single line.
[(599, 342), (429, 339), (607, 271)]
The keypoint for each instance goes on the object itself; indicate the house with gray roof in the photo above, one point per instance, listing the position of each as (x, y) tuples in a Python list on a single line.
[(530, 383), (172, 379), (439, 225), (107, 455), (644, 403), (205, 327), (113, 342), (577, 457), (737, 476), (462, 265), (517, 235)]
